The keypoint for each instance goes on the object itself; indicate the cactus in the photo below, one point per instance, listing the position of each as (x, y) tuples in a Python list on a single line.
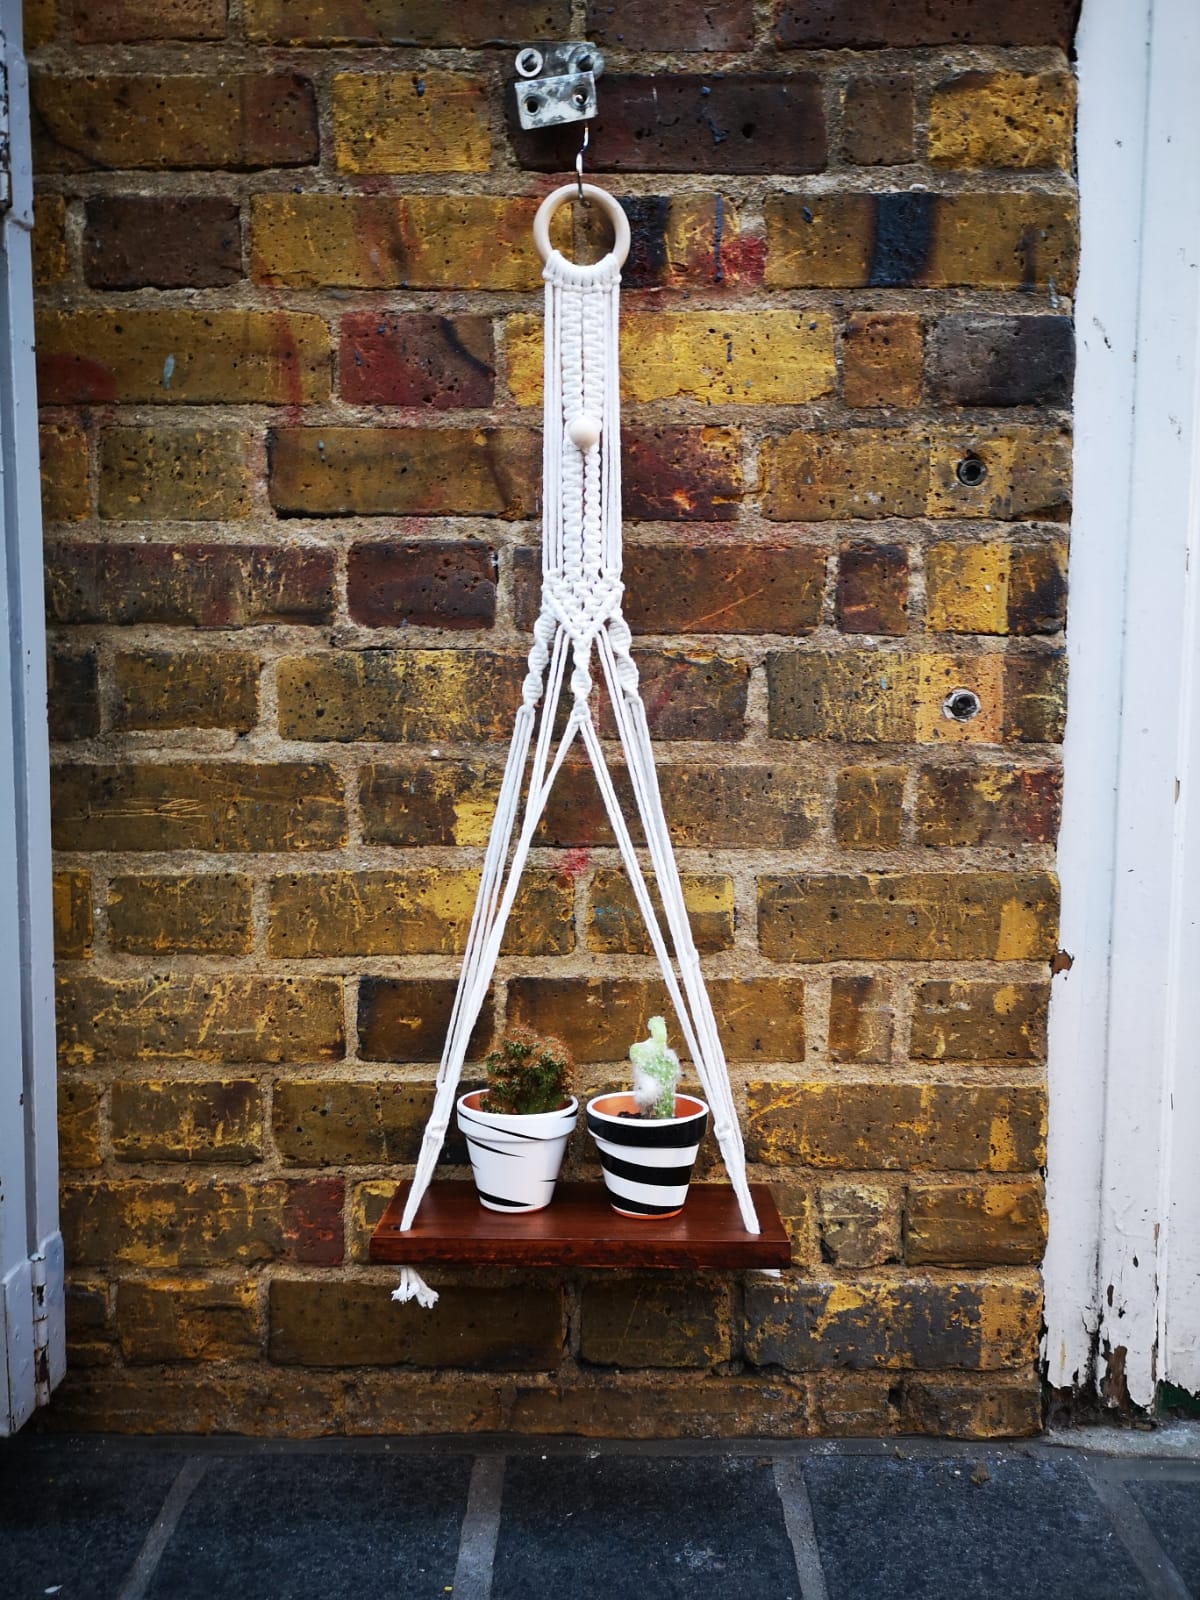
[(655, 1072), (527, 1074)]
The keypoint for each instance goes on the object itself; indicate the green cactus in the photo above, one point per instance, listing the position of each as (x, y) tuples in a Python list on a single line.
[(527, 1074), (655, 1072)]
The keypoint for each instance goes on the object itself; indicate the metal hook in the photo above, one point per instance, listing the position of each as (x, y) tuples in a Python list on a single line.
[(583, 200)]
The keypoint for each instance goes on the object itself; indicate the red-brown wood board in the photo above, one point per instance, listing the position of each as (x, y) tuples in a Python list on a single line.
[(580, 1229)]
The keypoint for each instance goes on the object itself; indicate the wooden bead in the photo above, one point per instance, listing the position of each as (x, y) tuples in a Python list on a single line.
[(584, 432)]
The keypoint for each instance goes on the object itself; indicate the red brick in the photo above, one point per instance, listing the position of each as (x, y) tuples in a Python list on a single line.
[(693, 694), (877, 120), (721, 123), (670, 25), (136, 21), (872, 589), (236, 120), (337, 472), (162, 242), (212, 805), (447, 584), (417, 359), (406, 1019), (189, 585), (895, 24), (413, 22), (674, 474)]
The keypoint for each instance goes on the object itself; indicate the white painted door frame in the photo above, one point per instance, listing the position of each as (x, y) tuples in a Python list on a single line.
[(1122, 1268), (32, 1341)]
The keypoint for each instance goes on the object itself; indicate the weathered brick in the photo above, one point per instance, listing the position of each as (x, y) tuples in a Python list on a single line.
[(211, 805), (1001, 361), (861, 1011), (160, 1120), (201, 913), (598, 1018), (199, 1017), (668, 1405), (189, 585), (890, 1126), (406, 1019), (420, 22), (439, 584), (187, 1319), (877, 120), (39, 23), (995, 587), (365, 1207), (615, 924), (417, 359), (66, 496), (354, 1325), (416, 911), (184, 474), (880, 1321), (415, 696), (975, 805), (1001, 473), (872, 589), (78, 1124), (858, 1224), (320, 1122), (71, 898), (438, 472), (162, 242), (1035, 698), (426, 121), (882, 359), (955, 1406), (1003, 119), (416, 241), (674, 474), (199, 1223), (975, 1020), (868, 809), (670, 25), (976, 1224), (682, 240), (861, 472), (725, 589), (136, 21), (51, 261), (429, 801), (236, 120), (167, 689), (689, 694), (681, 122), (908, 916), (669, 1321), (718, 358), (865, 696), (914, 238), (875, 24), (177, 356), (90, 1336), (73, 698)]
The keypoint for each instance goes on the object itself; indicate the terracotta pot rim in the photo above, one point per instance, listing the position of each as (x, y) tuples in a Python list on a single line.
[(472, 1097), (594, 1106)]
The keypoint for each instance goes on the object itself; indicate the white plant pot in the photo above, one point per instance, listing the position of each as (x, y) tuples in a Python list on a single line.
[(647, 1161), (515, 1159)]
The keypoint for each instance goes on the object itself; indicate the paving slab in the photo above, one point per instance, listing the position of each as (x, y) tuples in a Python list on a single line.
[(311, 1527), (74, 1514), (1173, 1511), (642, 1528), (950, 1529)]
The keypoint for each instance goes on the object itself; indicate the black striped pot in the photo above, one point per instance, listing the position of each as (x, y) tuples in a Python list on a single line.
[(647, 1161), (515, 1159)]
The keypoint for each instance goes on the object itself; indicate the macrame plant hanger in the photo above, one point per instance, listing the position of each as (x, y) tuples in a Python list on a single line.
[(580, 619)]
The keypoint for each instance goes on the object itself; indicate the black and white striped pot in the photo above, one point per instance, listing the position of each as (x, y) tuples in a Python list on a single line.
[(515, 1159), (647, 1161)]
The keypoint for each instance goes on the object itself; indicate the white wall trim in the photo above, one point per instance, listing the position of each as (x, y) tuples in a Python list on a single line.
[(1121, 1016)]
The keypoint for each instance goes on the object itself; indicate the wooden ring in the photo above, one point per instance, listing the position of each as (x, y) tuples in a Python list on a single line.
[(570, 191)]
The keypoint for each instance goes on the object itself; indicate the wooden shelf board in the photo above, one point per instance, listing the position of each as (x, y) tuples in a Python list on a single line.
[(580, 1229)]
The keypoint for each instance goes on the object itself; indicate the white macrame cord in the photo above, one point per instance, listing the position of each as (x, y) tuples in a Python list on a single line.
[(580, 614)]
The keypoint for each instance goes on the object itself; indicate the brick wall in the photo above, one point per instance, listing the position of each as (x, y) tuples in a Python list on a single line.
[(288, 339)]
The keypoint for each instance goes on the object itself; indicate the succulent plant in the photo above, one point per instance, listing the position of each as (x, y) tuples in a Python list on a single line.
[(655, 1072), (527, 1074)]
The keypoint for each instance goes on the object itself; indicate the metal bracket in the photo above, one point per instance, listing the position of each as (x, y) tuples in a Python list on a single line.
[(556, 83)]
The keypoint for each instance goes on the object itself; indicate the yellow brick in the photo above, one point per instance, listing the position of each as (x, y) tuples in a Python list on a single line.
[(1003, 119), (1027, 474), (858, 472), (867, 696), (71, 898), (411, 122), (966, 588), (615, 923), (187, 1319), (66, 496), (49, 240)]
